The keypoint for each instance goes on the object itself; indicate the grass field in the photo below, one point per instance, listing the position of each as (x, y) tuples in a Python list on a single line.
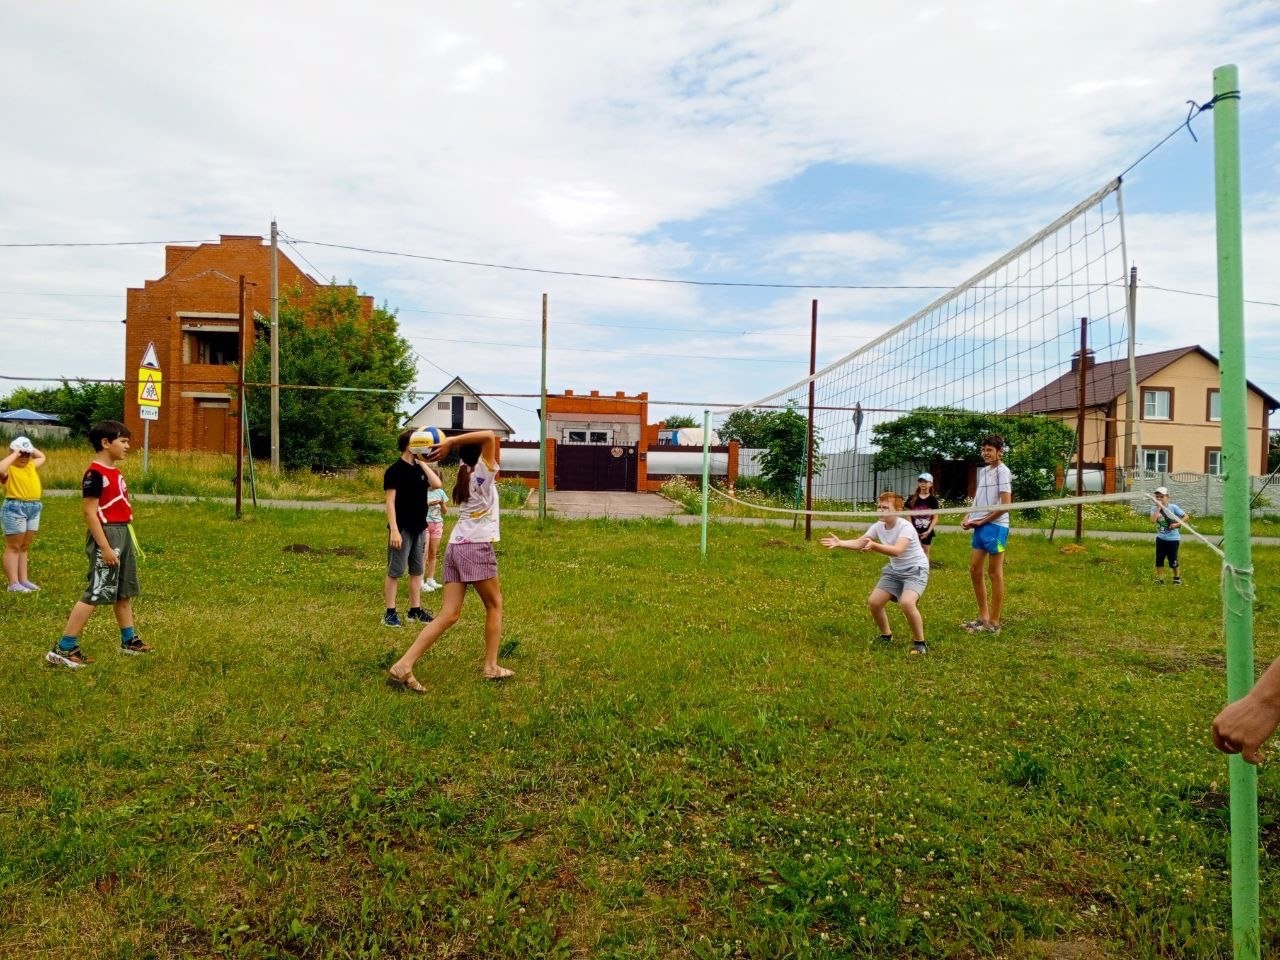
[(695, 760)]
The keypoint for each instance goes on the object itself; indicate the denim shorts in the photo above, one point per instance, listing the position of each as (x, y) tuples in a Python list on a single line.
[(408, 555), (20, 516)]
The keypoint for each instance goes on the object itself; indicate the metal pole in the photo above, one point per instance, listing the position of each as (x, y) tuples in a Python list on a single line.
[(706, 475), (808, 469), (1084, 374), (275, 348), (1238, 563), (1132, 453), (240, 419), (542, 426), (146, 443)]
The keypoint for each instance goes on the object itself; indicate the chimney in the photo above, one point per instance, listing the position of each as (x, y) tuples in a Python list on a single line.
[(1075, 361)]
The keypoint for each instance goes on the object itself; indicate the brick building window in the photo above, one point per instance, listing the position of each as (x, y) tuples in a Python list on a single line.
[(214, 347)]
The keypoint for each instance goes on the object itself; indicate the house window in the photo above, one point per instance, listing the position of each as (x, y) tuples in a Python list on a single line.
[(1213, 406), (575, 436), (443, 405), (599, 436), (473, 405), (1213, 461), (214, 347), (1157, 459), (1157, 404)]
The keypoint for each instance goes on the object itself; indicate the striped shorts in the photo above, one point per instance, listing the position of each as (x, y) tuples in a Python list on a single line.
[(470, 563)]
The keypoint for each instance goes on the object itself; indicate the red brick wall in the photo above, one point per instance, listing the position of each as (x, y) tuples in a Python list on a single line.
[(203, 279)]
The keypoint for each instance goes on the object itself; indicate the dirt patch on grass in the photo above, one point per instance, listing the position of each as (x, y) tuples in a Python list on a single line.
[(335, 551), (1067, 950)]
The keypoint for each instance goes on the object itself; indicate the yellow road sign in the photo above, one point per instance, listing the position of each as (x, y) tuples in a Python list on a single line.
[(148, 387)]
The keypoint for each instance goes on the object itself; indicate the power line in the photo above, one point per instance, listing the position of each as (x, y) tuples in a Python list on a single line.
[(115, 243)]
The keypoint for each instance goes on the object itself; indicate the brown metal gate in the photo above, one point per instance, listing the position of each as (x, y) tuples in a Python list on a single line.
[(595, 466)]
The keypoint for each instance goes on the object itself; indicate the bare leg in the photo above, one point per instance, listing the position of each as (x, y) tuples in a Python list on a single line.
[(909, 602), (124, 612), (389, 592), (446, 618), (24, 554), (415, 590), (491, 593), (976, 558), (433, 551), (12, 546), (995, 567), (876, 604), (79, 616)]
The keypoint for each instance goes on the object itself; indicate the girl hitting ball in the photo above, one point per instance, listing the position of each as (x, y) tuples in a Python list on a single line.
[(906, 575), (469, 559)]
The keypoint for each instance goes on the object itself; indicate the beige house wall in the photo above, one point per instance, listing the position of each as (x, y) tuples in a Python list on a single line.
[(1188, 433)]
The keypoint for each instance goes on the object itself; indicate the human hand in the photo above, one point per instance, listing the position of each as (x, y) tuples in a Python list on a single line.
[(862, 544), (396, 540), (831, 541), (110, 557), (1242, 727), (437, 453)]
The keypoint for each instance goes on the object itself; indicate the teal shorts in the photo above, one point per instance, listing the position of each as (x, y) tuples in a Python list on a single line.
[(991, 537)]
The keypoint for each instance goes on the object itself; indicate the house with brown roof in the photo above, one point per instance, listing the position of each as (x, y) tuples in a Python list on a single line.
[(1178, 413)]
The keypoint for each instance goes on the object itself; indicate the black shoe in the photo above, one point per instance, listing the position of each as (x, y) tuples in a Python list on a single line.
[(886, 638), (919, 647), (419, 615), (134, 647), (1177, 581), (392, 619)]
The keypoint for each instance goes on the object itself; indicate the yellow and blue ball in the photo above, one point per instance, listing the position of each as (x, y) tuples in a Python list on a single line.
[(424, 439)]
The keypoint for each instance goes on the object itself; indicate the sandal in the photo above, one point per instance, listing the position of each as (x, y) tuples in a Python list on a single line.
[(408, 682), (502, 673)]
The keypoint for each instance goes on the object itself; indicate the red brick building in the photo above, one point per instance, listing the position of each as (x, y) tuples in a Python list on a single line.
[(191, 314)]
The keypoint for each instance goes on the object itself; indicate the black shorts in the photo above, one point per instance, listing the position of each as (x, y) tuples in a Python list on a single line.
[(1167, 550)]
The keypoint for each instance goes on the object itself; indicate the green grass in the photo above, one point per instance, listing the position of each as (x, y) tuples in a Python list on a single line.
[(695, 760)]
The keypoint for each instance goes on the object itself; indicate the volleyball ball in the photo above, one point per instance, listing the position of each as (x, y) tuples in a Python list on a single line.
[(424, 439)]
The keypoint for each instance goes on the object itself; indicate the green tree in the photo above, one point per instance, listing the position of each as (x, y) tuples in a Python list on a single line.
[(77, 406), (745, 426), (1273, 451), (327, 343), (1035, 445), (784, 434), (679, 421)]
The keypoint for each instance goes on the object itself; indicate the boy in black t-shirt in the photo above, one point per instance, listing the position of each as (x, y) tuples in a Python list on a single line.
[(406, 482)]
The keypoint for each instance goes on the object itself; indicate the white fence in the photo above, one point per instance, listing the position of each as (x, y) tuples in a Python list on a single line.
[(847, 476)]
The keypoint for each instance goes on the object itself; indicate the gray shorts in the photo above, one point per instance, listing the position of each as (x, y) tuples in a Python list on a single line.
[(893, 583), (409, 554), (109, 584), (470, 563)]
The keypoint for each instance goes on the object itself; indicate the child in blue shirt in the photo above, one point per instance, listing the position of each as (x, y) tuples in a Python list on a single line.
[(1168, 518)]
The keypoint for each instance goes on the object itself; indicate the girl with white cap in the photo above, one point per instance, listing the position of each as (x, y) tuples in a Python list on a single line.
[(922, 500), (20, 515)]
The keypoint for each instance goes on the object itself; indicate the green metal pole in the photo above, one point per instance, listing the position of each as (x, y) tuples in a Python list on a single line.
[(542, 428), (706, 475), (1238, 583)]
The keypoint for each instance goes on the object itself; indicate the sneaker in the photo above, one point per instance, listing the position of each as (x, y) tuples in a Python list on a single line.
[(72, 659), (1177, 581), (430, 585), (919, 648), (419, 615), (973, 626), (1160, 582), (31, 587), (885, 638), (134, 647), (392, 619), (19, 588)]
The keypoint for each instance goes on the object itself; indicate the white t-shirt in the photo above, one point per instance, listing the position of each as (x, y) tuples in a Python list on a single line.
[(436, 498), (478, 516), (909, 559), (992, 481)]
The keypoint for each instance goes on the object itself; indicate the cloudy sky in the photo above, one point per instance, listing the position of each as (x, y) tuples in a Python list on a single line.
[(833, 142)]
